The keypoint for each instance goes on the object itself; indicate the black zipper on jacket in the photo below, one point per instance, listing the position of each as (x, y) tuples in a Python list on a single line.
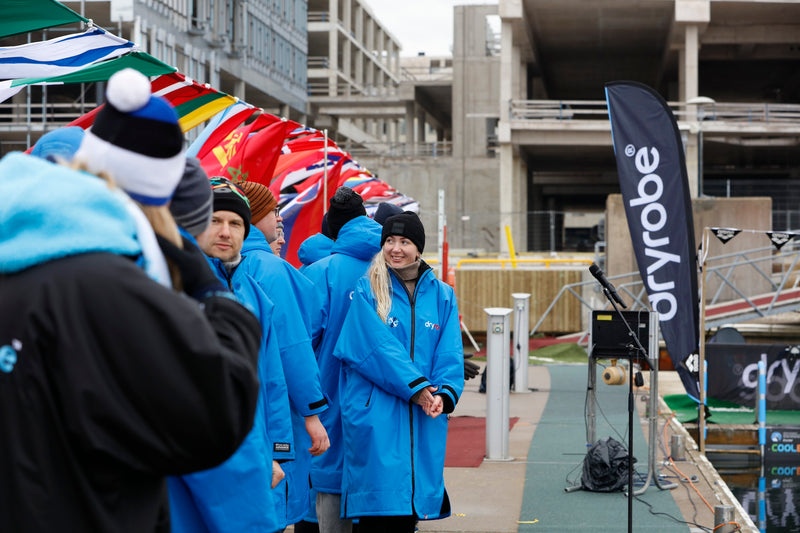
[(412, 300)]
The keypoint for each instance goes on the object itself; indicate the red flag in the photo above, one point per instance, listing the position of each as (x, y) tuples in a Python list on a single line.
[(255, 160), (84, 121), (238, 113), (302, 216), (219, 158)]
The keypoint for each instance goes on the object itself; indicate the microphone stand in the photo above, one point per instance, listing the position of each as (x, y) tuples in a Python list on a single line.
[(641, 350)]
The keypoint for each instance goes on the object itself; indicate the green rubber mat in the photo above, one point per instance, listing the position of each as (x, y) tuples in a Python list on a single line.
[(723, 412), (556, 456)]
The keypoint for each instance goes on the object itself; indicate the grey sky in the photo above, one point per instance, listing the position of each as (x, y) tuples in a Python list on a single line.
[(420, 25)]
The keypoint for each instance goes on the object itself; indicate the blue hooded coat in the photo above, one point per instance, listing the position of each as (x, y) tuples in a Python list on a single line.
[(293, 294), (334, 279), (394, 453), (313, 249), (236, 495)]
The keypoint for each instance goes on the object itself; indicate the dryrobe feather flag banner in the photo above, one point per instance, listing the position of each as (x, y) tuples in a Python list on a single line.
[(655, 190)]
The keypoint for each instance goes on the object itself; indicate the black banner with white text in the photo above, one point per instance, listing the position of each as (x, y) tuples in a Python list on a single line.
[(655, 191), (733, 374)]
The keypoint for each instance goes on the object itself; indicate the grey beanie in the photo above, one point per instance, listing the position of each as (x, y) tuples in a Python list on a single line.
[(191, 203)]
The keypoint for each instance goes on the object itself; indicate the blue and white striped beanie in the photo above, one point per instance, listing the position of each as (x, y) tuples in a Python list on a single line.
[(136, 138)]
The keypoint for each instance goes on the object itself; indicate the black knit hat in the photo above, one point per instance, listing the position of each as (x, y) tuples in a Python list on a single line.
[(229, 197), (407, 224), (346, 205)]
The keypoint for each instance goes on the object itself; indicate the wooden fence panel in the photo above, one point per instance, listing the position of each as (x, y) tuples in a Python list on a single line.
[(478, 289)]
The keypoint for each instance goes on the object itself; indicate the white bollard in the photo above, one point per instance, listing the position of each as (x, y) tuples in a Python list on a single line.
[(497, 378), (521, 334)]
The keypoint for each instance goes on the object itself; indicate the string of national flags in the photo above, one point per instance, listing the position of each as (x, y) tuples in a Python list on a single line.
[(239, 141)]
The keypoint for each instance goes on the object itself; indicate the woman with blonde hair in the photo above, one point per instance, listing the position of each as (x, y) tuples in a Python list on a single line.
[(402, 367), (136, 144)]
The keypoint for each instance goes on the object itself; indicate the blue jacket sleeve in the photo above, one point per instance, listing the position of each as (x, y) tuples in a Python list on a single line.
[(297, 357), (277, 413), (367, 346), (448, 358)]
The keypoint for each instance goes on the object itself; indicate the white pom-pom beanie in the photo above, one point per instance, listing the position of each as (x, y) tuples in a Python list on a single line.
[(136, 138)]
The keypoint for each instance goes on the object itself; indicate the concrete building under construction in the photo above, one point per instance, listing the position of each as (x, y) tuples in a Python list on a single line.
[(513, 126), (528, 138)]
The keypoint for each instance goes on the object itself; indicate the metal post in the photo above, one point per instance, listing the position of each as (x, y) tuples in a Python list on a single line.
[(762, 403), (442, 223), (497, 378), (521, 325), (723, 519)]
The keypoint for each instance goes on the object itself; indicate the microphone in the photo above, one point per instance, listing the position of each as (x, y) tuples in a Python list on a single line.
[(599, 276)]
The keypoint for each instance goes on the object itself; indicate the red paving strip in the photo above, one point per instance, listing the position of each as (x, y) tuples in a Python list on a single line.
[(466, 441)]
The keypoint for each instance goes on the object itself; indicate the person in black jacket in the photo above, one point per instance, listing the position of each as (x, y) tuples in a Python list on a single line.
[(109, 380)]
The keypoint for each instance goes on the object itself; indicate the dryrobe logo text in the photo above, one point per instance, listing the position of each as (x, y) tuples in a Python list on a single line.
[(653, 217), (431, 326), (781, 375), (8, 356), (393, 322)]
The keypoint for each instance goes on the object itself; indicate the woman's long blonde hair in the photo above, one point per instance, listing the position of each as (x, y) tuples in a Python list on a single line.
[(381, 285), (159, 217)]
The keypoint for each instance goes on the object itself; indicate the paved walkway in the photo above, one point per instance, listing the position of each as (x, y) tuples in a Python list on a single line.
[(490, 498)]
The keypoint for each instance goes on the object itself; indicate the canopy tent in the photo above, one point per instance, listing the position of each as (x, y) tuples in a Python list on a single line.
[(22, 16)]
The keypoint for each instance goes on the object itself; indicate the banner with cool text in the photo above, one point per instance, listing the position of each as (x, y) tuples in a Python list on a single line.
[(655, 189)]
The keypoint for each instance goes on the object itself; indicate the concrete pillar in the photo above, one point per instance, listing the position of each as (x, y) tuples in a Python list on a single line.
[(689, 88), (410, 141), (393, 135), (333, 47), (690, 63), (507, 177), (507, 152), (239, 90), (420, 127)]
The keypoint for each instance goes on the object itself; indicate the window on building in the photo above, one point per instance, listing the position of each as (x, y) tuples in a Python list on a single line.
[(493, 30), (300, 15)]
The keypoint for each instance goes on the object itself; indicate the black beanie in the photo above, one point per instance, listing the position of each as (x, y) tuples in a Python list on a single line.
[(346, 205), (407, 224), (324, 226), (229, 197)]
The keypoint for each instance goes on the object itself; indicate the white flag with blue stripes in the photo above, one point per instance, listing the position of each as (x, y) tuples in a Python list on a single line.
[(60, 56)]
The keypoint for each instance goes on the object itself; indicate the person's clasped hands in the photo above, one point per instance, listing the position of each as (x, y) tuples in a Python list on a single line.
[(432, 405)]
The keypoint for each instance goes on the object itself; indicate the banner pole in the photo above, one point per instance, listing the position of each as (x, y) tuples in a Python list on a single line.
[(701, 412), (325, 175)]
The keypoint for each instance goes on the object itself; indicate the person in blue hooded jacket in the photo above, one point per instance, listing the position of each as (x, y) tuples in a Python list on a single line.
[(315, 247), (402, 367), (295, 300), (356, 240), (236, 495)]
